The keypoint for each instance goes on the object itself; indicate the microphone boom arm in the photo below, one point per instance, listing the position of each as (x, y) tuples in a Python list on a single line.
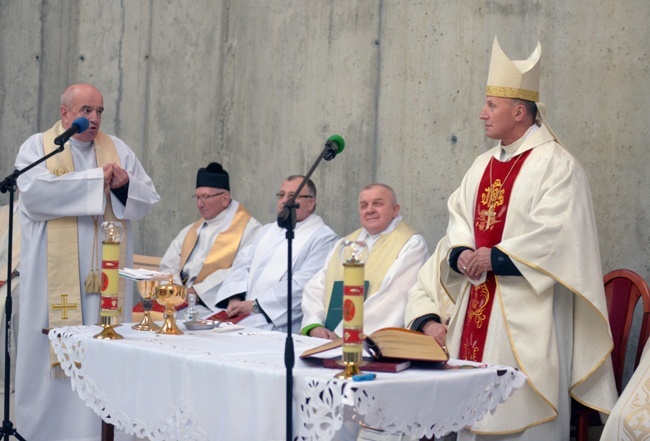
[(287, 217)]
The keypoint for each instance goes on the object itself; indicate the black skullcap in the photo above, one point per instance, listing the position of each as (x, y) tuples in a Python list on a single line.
[(213, 176)]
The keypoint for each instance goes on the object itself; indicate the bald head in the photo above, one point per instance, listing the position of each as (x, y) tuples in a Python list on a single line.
[(82, 100)]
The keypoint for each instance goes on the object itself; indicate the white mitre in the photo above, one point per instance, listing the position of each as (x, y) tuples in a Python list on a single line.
[(517, 79), (514, 78)]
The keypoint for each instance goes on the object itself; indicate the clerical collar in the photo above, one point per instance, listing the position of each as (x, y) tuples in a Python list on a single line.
[(508, 151), (219, 217), (370, 239)]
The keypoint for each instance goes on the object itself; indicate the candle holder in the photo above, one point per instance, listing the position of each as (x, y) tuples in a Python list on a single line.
[(147, 289), (169, 296), (112, 235), (353, 255)]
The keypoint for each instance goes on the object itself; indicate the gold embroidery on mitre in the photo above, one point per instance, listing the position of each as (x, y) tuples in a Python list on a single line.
[(64, 306), (492, 198), (476, 308), (511, 92), (60, 170)]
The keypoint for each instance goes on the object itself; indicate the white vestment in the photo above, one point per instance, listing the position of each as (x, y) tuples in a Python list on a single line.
[(207, 233), (260, 271), (552, 321), (47, 408), (385, 307)]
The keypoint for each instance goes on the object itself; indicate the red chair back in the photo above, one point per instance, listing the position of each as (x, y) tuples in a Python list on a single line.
[(623, 290)]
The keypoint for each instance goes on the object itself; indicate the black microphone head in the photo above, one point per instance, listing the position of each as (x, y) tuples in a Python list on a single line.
[(335, 145), (338, 140), (82, 123)]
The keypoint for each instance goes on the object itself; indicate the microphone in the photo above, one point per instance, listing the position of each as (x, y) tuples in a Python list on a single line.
[(79, 125), (334, 145)]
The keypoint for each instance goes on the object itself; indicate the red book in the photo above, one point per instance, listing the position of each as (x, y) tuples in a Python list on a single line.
[(385, 365), (222, 316)]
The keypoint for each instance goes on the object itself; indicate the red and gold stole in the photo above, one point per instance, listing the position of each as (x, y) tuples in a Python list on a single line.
[(489, 220)]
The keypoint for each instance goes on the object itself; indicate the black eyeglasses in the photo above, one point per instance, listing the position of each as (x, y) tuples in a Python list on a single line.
[(282, 195), (205, 197)]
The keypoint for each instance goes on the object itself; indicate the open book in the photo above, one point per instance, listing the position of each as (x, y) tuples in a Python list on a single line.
[(393, 343)]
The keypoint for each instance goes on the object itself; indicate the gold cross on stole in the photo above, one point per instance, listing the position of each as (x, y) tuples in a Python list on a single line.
[(64, 306), (491, 215)]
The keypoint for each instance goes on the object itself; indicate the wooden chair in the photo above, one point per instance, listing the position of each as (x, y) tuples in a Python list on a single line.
[(146, 262), (623, 290)]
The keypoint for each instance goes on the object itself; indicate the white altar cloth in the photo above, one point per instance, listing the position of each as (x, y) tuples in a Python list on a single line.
[(205, 385)]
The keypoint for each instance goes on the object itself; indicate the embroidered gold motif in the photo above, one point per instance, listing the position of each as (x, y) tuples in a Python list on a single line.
[(64, 306), (470, 349), (476, 308), (491, 198), (637, 422), (60, 170)]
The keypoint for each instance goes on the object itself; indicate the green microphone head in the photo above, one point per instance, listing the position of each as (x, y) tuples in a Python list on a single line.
[(338, 140)]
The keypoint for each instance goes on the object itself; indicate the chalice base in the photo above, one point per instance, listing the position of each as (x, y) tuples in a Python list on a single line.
[(169, 327), (108, 333), (146, 324), (351, 369)]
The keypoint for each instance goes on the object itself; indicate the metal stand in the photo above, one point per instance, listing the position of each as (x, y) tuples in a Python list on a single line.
[(287, 220), (9, 185), (7, 426)]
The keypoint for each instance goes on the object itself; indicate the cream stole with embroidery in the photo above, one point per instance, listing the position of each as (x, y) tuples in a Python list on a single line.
[(64, 296), (381, 257), (224, 249)]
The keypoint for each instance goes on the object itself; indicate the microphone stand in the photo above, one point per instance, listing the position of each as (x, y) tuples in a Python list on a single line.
[(9, 185), (287, 220)]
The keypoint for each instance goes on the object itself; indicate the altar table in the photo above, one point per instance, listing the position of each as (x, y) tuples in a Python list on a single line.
[(207, 385)]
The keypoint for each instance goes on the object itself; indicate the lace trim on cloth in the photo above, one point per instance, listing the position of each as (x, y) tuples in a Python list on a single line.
[(178, 424), (321, 404), (321, 407)]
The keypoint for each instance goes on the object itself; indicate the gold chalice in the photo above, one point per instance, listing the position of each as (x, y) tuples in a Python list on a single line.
[(169, 296), (147, 289)]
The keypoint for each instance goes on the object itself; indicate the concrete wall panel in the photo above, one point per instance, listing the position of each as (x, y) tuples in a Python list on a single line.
[(259, 86)]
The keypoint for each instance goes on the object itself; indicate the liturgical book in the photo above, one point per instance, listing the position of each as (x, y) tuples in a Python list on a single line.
[(395, 344)]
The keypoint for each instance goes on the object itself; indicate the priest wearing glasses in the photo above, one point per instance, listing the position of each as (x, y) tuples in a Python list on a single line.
[(202, 254), (257, 287)]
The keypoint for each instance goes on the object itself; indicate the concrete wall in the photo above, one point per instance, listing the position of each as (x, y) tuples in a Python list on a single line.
[(260, 84)]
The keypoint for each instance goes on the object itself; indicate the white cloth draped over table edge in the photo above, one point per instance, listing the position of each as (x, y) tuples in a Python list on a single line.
[(251, 360)]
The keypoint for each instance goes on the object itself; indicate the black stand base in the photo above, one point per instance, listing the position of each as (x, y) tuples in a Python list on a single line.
[(8, 430)]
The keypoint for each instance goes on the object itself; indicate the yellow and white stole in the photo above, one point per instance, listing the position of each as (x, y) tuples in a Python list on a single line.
[(381, 257), (224, 249), (64, 292)]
